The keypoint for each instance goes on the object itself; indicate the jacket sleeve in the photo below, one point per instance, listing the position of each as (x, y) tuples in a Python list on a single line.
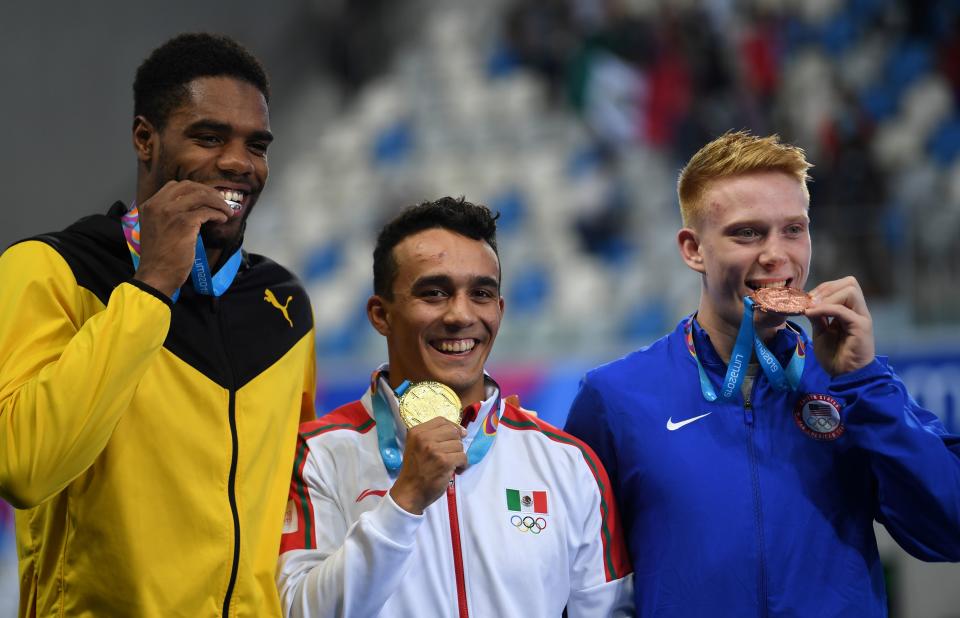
[(331, 567), (588, 421), (601, 578), (915, 462), (65, 381)]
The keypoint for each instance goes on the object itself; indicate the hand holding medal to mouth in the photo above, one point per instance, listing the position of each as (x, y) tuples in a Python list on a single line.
[(170, 221), (842, 327), (433, 449)]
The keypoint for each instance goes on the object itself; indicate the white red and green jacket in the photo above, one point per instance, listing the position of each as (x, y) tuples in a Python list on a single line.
[(349, 550)]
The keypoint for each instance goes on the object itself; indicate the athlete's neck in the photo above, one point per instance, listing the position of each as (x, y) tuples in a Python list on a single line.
[(723, 332), (213, 257)]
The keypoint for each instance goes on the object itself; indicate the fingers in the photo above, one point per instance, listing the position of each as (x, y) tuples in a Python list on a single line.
[(842, 300), (170, 222), (844, 292), (433, 451), (822, 317), (437, 441), (186, 196), (438, 429), (842, 326)]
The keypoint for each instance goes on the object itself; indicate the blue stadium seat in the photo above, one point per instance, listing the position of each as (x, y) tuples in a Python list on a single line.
[(529, 290), (879, 101), (343, 341), (502, 61), (394, 144), (511, 203), (646, 321), (906, 63), (322, 261), (944, 144), (839, 34)]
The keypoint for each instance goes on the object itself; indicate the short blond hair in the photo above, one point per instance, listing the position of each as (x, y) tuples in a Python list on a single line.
[(732, 154)]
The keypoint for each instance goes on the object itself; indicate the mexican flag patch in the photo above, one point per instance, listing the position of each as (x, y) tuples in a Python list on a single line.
[(526, 501)]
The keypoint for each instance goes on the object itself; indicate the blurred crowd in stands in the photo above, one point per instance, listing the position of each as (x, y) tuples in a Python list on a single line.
[(573, 117), (870, 88)]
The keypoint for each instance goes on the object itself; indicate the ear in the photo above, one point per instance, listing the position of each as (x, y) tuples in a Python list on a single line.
[(378, 314), (690, 249), (145, 138), (502, 306)]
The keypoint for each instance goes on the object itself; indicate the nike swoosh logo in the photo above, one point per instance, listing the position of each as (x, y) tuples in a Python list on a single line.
[(671, 426)]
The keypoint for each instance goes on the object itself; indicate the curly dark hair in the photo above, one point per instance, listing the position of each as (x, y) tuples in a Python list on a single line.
[(161, 82), (455, 214)]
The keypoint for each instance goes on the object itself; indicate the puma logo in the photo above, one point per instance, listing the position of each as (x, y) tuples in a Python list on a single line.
[(269, 296)]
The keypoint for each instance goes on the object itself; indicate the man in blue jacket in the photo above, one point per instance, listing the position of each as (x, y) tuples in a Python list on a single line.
[(749, 470)]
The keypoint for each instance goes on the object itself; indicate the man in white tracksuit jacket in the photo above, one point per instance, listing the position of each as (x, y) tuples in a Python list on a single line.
[(527, 524)]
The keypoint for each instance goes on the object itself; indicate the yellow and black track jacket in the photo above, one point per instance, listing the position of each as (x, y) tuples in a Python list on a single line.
[(147, 445)]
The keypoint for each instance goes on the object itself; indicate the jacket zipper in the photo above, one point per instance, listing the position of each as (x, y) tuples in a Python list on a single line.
[(457, 551), (232, 479), (748, 418)]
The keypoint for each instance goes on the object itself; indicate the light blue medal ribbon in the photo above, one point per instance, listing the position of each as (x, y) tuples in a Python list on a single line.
[(387, 433), (214, 284), (204, 282), (740, 358), (781, 379)]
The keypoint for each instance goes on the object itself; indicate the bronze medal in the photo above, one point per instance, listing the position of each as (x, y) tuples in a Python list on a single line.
[(426, 400), (785, 301)]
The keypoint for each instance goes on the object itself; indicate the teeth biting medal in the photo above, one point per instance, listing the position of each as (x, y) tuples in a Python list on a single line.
[(783, 300), (233, 198)]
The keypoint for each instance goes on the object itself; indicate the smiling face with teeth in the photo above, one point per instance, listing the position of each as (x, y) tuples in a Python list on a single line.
[(754, 232), (445, 311), (219, 138)]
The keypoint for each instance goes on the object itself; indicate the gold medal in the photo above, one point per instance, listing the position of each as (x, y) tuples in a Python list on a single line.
[(426, 400)]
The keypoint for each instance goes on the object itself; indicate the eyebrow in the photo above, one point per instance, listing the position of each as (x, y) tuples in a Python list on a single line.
[(223, 127), (805, 218), (446, 280)]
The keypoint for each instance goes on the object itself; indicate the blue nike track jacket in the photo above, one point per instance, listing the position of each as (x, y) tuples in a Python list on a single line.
[(765, 506)]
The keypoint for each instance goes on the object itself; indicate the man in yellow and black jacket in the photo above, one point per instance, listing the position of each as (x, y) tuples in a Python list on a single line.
[(152, 373)]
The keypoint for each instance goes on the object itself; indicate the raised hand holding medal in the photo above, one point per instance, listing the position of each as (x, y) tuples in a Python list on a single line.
[(434, 447), (842, 327)]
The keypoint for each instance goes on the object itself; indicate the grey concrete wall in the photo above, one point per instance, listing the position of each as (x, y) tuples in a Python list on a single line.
[(66, 104)]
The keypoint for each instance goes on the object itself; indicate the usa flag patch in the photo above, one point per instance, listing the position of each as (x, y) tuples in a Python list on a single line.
[(819, 417)]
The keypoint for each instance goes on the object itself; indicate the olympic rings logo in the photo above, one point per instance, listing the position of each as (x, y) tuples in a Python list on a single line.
[(529, 524), (824, 424)]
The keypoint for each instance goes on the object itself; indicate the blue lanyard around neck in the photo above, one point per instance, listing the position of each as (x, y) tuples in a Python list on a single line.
[(213, 284), (204, 282), (387, 433), (747, 342)]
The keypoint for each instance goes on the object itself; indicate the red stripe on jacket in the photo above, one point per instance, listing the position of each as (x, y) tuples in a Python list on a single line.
[(352, 417)]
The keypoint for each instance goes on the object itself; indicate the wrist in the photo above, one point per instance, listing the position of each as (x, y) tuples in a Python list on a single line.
[(156, 281), (405, 501)]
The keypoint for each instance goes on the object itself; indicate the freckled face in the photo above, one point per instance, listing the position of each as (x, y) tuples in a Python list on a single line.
[(754, 232)]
